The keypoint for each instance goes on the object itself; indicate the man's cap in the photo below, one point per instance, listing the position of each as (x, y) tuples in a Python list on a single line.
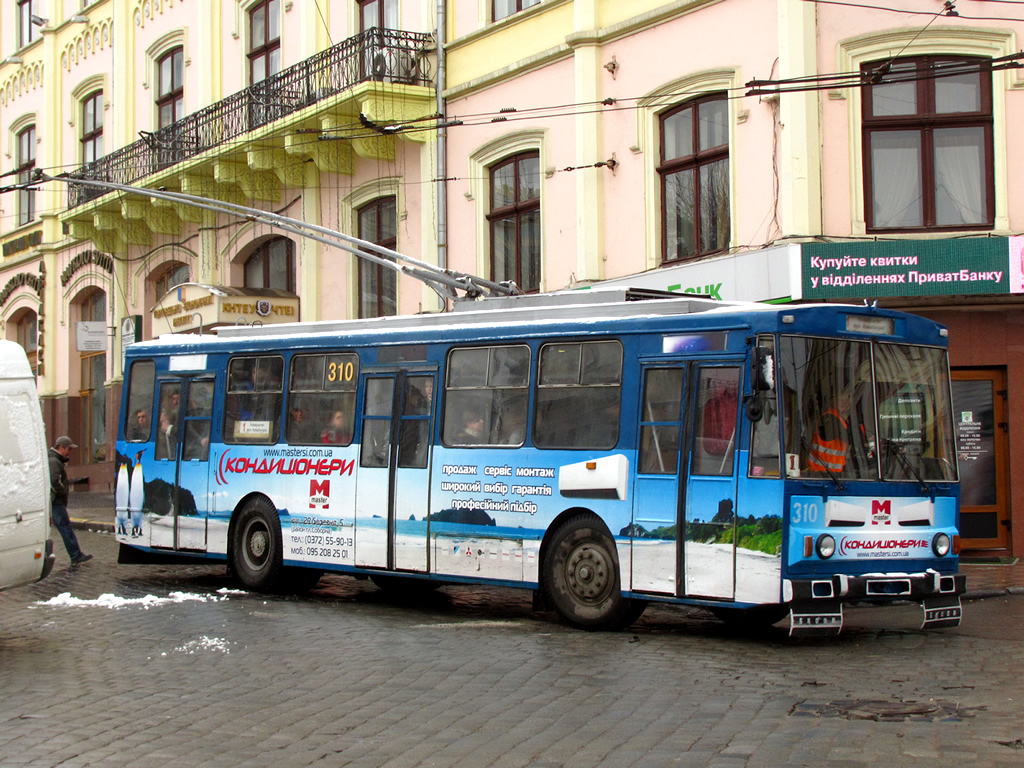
[(65, 441)]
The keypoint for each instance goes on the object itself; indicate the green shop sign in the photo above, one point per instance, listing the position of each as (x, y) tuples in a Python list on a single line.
[(974, 265)]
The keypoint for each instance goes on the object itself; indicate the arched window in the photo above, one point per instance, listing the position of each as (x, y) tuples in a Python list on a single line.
[(695, 178), (174, 275), (272, 265), (26, 29), (92, 127), (92, 387), (26, 330), (928, 157), (514, 220), (170, 94), (378, 285), (26, 167), (264, 40)]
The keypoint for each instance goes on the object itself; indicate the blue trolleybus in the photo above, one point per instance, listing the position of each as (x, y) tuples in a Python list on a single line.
[(604, 451)]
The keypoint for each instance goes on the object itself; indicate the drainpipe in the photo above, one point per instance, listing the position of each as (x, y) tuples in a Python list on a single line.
[(442, 141)]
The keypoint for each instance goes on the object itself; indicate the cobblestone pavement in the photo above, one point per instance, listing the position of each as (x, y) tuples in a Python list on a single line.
[(351, 676)]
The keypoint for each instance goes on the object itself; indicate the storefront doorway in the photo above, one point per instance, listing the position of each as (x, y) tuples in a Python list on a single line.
[(979, 415)]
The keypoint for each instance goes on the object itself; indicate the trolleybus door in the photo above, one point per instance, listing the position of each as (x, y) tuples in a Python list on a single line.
[(709, 548), (178, 507), (392, 498), (657, 489)]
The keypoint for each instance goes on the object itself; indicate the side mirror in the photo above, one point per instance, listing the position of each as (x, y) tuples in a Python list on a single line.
[(763, 365)]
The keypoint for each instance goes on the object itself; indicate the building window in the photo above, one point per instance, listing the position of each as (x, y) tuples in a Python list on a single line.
[(503, 8), (264, 40), (378, 13), (170, 102), (26, 167), (26, 29), (515, 221), (27, 334), (175, 275), (378, 285), (928, 144), (92, 127), (694, 174), (272, 265), (92, 390)]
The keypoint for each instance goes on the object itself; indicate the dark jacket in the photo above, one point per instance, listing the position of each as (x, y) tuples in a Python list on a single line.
[(58, 479)]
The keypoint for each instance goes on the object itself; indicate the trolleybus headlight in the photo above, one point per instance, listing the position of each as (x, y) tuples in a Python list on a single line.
[(940, 544), (826, 546)]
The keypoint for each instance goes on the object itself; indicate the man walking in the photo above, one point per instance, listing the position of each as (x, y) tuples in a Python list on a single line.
[(59, 498)]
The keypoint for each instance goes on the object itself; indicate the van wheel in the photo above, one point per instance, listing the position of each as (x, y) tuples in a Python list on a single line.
[(256, 547), (581, 577)]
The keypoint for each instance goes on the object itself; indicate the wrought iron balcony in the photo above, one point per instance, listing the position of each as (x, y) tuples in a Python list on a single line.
[(385, 55)]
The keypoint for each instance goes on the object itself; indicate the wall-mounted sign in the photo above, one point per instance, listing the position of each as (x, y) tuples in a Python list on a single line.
[(191, 306), (91, 336), (971, 265)]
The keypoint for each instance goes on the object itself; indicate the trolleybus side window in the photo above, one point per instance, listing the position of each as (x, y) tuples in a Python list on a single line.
[(141, 385), (322, 399), (167, 420), (414, 439), (579, 391), (486, 396), (660, 421), (764, 431), (714, 436), (198, 412), (252, 408)]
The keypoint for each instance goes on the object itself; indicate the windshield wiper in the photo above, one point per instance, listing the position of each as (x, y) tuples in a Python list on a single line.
[(807, 447), (901, 453)]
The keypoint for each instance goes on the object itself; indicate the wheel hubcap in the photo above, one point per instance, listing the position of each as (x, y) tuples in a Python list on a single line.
[(258, 544), (589, 574)]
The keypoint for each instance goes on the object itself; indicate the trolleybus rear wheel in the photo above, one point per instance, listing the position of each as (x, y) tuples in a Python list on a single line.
[(581, 576), (256, 547)]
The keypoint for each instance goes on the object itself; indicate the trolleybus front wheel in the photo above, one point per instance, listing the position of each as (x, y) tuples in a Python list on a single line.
[(256, 547), (581, 577)]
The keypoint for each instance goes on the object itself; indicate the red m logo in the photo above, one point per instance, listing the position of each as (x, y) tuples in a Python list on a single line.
[(881, 507), (319, 493)]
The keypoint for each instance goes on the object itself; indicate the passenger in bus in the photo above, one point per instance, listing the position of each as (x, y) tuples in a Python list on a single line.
[(472, 432), (338, 430), (301, 428), (139, 429), (165, 437)]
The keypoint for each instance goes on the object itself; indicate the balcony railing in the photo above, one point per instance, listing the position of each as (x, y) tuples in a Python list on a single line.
[(385, 55)]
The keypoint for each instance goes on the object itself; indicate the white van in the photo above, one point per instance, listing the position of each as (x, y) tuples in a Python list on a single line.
[(26, 551)]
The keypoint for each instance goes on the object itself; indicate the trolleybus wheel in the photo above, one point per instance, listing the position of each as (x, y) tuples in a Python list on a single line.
[(581, 576), (256, 547)]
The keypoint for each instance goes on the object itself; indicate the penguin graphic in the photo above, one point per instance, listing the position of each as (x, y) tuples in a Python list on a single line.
[(121, 499), (137, 495)]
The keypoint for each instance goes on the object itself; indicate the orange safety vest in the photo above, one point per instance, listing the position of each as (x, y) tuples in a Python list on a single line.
[(829, 455)]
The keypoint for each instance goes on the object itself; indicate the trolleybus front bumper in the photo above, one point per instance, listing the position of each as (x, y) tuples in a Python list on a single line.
[(816, 607)]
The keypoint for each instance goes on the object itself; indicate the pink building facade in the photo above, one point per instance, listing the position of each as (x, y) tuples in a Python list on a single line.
[(766, 151)]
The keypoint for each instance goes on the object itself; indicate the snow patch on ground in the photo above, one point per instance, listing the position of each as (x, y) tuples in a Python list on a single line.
[(114, 601)]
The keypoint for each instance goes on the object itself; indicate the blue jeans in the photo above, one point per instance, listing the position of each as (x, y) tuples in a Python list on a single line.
[(61, 521)]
